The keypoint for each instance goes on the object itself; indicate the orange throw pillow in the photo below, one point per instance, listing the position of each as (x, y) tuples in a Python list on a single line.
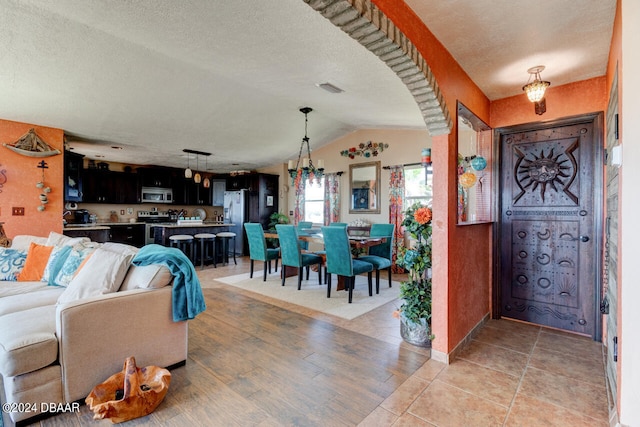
[(35, 263)]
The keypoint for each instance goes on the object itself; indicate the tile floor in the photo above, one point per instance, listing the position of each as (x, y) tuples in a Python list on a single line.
[(511, 374)]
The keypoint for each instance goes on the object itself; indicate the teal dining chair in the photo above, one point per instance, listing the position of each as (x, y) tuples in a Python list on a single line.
[(340, 262), (258, 250), (292, 255), (304, 225), (338, 224), (380, 255)]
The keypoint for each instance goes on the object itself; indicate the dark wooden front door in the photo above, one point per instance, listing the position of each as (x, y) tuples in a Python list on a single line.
[(550, 216)]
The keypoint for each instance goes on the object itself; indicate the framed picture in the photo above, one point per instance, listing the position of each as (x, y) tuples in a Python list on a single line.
[(269, 200)]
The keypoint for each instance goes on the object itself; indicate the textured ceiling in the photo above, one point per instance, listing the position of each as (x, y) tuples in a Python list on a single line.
[(228, 77)]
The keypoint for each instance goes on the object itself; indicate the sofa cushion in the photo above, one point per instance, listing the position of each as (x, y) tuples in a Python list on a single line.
[(37, 259), (102, 274), (71, 265), (56, 260), (121, 248), (45, 295), (22, 241), (17, 288), (11, 263), (32, 345), (146, 276)]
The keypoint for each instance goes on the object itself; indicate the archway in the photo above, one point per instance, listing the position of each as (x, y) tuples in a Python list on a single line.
[(367, 24)]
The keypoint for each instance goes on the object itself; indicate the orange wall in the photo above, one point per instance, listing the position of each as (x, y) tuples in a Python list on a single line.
[(614, 63), (586, 96), (22, 175), (462, 257)]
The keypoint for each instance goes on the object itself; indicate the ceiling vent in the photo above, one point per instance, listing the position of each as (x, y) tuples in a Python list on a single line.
[(329, 87)]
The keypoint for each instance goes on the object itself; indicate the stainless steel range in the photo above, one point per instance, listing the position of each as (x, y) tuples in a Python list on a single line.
[(151, 218)]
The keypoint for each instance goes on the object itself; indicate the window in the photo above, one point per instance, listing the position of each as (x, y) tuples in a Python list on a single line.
[(418, 185), (314, 202)]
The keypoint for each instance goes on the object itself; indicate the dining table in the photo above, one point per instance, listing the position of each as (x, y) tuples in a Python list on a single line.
[(311, 235)]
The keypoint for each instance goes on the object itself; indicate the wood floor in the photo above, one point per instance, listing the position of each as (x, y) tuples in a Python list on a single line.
[(259, 362)]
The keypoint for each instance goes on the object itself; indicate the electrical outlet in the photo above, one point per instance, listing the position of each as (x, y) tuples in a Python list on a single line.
[(17, 211), (121, 211)]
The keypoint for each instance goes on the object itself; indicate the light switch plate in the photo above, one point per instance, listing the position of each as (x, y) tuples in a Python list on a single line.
[(616, 156)]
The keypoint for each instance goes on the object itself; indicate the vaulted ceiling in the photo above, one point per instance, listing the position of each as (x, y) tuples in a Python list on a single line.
[(153, 78)]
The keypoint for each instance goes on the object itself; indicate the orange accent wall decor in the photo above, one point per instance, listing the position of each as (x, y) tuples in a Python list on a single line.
[(22, 175)]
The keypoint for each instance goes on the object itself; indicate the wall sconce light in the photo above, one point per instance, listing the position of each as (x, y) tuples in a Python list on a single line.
[(535, 89)]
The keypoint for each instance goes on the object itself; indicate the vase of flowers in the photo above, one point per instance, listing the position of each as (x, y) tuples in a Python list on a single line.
[(415, 311)]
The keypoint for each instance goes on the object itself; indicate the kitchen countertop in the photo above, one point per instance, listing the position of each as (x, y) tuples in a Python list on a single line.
[(106, 225), (204, 224)]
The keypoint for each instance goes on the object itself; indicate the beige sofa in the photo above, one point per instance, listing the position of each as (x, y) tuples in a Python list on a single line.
[(55, 351)]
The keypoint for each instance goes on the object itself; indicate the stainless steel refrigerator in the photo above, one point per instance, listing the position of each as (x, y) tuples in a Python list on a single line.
[(236, 211)]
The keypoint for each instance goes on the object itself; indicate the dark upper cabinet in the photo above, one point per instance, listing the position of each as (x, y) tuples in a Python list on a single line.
[(263, 197), (126, 187), (237, 182), (72, 177), (97, 186), (103, 186), (156, 177), (187, 192)]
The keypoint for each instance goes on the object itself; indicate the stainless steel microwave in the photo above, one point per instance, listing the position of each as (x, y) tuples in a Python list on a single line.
[(157, 195)]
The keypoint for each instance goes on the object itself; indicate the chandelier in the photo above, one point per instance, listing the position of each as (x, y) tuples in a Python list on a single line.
[(304, 167), (536, 89)]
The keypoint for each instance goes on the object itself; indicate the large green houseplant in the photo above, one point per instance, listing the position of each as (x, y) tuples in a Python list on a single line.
[(415, 311)]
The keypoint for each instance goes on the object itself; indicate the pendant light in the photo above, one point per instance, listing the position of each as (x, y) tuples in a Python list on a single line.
[(187, 172), (197, 178), (206, 183)]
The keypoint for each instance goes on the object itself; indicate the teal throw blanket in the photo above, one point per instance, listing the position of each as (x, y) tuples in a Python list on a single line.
[(187, 298)]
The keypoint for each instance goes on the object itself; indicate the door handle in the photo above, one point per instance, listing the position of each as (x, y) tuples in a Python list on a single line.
[(567, 236)]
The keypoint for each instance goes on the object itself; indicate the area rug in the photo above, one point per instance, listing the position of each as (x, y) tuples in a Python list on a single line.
[(314, 296)]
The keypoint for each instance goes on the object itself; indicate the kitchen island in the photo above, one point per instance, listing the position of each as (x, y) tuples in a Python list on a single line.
[(162, 231)]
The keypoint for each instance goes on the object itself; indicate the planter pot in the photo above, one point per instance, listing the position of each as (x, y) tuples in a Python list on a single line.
[(415, 333)]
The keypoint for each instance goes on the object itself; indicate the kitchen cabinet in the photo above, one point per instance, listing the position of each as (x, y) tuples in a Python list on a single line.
[(156, 177), (104, 186), (72, 177), (97, 186), (237, 182), (218, 187), (131, 234), (263, 197), (187, 192), (95, 234)]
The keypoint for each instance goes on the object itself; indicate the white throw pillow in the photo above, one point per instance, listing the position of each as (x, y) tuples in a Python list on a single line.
[(102, 274), (147, 277), (57, 239)]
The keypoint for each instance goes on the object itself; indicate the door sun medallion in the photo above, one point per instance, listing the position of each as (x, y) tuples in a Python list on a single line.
[(543, 172)]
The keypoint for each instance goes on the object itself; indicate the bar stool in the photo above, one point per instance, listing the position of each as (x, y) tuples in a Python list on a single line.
[(207, 244), (184, 242), (224, 237)]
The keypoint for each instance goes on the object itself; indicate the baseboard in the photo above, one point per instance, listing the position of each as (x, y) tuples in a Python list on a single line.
[(447, 358)]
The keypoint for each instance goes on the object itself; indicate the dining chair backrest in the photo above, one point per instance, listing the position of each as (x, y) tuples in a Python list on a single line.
[(289, 245), (338, 224), (257, 242), (304, 224), (382, 230), (338, 251)]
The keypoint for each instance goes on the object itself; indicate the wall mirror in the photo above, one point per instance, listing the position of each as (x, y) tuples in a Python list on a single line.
[(475, 169), (364, 188)]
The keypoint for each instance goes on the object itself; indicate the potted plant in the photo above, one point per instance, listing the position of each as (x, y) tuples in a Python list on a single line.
[(415, 311), (276, 218)]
